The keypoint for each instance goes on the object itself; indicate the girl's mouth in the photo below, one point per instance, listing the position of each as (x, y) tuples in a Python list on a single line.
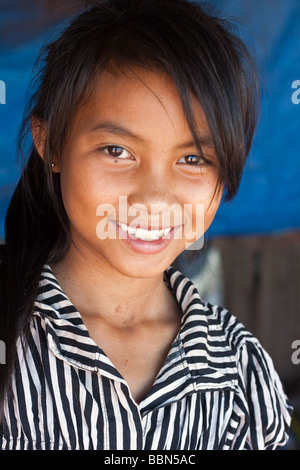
[(143, 241)]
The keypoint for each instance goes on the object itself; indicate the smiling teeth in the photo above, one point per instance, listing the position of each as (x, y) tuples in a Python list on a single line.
[(146, 235)]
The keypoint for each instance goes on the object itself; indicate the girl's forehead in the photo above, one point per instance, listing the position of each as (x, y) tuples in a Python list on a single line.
[(138, 97), (113, 86)]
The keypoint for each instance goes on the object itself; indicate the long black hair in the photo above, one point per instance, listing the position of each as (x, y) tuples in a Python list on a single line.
[(200, 52)]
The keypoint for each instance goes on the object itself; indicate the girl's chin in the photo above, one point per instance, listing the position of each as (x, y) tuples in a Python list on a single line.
[(137, 265)]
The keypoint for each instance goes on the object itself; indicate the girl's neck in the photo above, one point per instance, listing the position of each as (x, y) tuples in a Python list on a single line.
[(99, 291)]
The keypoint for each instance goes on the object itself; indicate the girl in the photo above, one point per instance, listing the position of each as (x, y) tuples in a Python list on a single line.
[(152, 104)]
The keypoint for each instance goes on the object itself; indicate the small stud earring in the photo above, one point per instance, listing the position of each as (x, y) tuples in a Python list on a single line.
[(52, 164)]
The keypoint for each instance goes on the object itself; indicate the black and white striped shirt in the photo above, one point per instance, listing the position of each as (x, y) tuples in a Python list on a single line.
[(216, 390)]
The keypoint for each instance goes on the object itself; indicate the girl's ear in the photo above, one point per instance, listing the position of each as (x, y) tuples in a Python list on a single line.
[(38, 131)]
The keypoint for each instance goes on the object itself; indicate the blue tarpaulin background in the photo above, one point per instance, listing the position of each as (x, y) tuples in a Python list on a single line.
[(269, 197)]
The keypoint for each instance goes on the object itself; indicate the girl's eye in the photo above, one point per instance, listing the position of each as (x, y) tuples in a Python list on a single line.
[(193, 160), (116, 152)]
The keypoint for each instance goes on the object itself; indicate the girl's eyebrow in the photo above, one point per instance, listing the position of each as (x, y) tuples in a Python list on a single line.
[(204, 140), (116, 129)]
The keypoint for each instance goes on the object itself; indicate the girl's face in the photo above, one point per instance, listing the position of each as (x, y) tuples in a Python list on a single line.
[(130, 159)]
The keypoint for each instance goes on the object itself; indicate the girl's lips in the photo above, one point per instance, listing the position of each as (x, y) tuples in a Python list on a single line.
[(145, 246)]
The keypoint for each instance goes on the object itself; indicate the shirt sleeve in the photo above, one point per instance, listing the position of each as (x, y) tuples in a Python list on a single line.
[(264, 398)]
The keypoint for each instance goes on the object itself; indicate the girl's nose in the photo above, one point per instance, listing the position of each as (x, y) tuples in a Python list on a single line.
[(155, 187), (154, 193)]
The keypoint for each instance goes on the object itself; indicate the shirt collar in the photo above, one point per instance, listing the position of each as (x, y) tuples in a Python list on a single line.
[(200, 357)]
